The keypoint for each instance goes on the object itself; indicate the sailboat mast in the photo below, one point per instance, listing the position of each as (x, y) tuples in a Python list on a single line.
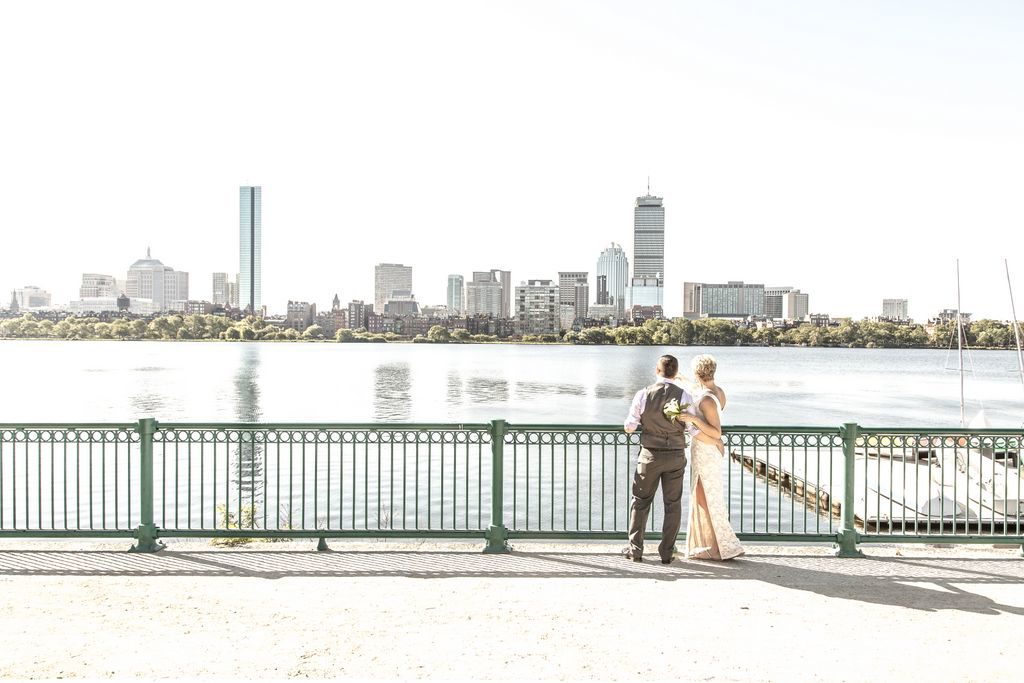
[(960, 342), (1016, 325)]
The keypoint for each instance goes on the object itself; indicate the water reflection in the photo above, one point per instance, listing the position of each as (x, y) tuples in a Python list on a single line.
[(614, 391), (487, 389), (455, 388), (540, 389), (248, 455), (392, 395)]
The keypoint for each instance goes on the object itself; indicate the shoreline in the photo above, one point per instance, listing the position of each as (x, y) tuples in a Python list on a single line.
[(411, 342)]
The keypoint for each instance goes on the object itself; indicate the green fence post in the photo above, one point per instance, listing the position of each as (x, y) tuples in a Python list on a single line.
[(147, 531), (847, 537), (497, 534)]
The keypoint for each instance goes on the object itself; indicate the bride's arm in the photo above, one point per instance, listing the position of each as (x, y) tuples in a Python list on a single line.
[(711, 425)]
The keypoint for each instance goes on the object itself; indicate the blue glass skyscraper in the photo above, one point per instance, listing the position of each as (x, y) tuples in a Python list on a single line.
[(250, 249)]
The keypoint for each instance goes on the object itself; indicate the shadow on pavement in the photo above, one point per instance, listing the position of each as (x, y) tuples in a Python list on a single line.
[(926, 584)]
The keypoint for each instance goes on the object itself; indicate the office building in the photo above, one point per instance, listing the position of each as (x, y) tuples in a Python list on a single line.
[(566, 316), (606, 313), (649, 237), (645, 291), (537, 307), (401, 302), (505, 278), (107, 304), (734, 299), (574, 291), (96, 285), (148, 278), (359, 314), (301, 314), (602, 290), (387, 279), (895, 309), (691, 300), (613, 267), (773, 301), (567, 281), (31, 297), (485, 294), (456, 300), (250, 249), (796, 305), (225, 292)]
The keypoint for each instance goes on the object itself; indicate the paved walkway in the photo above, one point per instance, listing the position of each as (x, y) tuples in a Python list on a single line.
[(386, 610)]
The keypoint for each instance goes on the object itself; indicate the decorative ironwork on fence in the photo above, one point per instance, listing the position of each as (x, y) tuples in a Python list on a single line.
[(495, 481)]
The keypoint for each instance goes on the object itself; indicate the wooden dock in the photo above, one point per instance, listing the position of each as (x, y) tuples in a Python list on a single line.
[(797, 481)]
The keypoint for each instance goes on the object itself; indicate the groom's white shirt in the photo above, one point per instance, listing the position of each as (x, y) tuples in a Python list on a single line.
[(636, 409)]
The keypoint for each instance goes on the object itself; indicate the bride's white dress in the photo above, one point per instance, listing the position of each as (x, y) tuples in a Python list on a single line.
[(709, 536)]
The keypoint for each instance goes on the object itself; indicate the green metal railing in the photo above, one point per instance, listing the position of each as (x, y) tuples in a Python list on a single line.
[(495, 481)]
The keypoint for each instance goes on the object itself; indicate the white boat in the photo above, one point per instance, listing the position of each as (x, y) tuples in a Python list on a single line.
[(944, 480)]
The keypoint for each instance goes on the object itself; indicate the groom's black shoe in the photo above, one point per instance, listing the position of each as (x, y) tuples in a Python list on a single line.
[(668, 560), (628, 554)]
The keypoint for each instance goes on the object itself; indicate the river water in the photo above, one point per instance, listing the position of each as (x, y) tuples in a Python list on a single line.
[(114, 381), (377, 486)]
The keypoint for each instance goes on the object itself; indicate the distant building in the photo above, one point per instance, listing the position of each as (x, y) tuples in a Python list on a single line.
[(505, 278), (359, 315), (645, 291), (109, 304), (442, 312), (607, 313), (250, 248), (734, 299), (638, 314), (649, 237), (613, 267), (191, 307), (485, 294), (602, 290), (537, 307), (566, 316), (225, 292), (387, 279), (818, 319), (148, 278), (31, 297), (301, 314), (401, 303), (96, 285), (773, 301), (14, 306), (456, 296), (948, 315), (895, 309), (691, 300), (333, 320), (796, 305), (574, 291)]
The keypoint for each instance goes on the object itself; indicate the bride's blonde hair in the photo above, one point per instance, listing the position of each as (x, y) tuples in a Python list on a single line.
[(704, 367)]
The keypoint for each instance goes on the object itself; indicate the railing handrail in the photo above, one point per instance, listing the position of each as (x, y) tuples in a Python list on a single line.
[(484, 426), (812, 485)]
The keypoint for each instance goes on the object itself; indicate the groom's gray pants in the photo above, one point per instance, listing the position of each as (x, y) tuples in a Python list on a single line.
[(656, 466)]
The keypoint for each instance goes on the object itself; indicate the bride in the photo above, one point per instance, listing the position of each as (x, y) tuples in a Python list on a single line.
[(709, 536)]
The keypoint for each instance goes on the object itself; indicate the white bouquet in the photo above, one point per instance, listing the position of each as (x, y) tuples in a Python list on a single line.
[(673, 409)]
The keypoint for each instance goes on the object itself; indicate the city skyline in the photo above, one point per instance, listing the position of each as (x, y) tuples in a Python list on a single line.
[(805, 144)]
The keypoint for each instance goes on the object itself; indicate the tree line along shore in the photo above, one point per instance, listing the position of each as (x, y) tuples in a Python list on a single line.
[(991, 334)]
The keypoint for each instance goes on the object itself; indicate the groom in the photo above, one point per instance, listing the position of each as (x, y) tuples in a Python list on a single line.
[(662, 459)]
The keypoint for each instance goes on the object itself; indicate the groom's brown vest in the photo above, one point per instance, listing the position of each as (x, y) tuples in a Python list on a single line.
[(657, 430)]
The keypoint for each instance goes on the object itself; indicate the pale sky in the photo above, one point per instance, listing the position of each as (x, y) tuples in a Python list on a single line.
[(853, 150)]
